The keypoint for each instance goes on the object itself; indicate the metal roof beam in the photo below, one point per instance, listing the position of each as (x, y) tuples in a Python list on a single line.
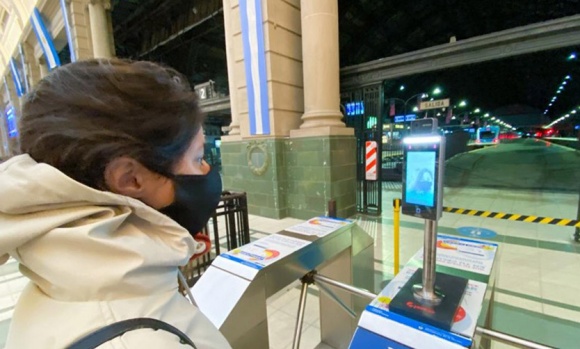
[(543, 36)]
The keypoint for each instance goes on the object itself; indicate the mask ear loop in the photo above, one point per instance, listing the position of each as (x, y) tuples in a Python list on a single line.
[(185, 286)]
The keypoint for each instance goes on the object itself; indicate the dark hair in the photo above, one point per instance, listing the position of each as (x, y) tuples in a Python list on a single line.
[(85, 114)]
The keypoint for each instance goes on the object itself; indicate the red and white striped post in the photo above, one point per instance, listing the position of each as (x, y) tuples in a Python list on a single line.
[(371, 161)]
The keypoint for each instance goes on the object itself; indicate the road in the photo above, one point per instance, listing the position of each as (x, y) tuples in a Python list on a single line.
[(517, 164)]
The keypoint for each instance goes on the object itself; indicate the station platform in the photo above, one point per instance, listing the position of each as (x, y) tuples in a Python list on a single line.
[(536, 294)]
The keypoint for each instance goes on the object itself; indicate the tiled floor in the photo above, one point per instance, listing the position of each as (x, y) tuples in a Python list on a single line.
[(539, 278)]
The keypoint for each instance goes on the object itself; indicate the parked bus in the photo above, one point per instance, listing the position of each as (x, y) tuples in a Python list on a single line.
[(487, 135)]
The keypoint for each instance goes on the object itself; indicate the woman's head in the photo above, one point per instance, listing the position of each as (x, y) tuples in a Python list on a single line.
[(116, 125)]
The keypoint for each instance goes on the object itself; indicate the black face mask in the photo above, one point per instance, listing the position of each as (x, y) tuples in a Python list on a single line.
[(196, 197)]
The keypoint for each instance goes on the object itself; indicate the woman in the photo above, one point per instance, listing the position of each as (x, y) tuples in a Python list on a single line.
[(98, 207)]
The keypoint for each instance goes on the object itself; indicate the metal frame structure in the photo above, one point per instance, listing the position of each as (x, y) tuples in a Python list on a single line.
[(543, 36), (369, 193), (364, 82), (322, 281)]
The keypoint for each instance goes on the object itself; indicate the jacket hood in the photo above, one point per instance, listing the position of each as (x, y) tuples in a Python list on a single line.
[(79, 243)]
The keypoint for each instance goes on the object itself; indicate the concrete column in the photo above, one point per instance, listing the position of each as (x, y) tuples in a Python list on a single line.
[(43, 67), (32, 66), (298, 176), (231, 61), (80, 28), (320, 59), (4, 145), (99, 23)]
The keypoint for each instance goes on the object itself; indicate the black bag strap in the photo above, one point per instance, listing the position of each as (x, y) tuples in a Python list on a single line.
[(105, 334)]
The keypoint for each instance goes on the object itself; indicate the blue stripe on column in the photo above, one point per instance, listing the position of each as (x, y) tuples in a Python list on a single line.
[(255, 66), (69, 38), (262, 69), (16, 77), (45, 40)]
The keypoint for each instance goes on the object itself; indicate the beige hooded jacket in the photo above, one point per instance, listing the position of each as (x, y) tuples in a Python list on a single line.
[(93, 258)]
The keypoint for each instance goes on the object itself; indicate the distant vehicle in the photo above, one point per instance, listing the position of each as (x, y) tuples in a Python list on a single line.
[(487, 135), (509, 135), (548, 132), (540, 133)]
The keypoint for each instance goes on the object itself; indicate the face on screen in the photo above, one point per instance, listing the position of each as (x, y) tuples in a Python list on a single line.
[(420, 179)]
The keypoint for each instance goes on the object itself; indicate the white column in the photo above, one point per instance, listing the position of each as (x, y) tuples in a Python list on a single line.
[(42, 67), (4, 145), (32, 64), (320, 59), (100, 31), (231, 62)]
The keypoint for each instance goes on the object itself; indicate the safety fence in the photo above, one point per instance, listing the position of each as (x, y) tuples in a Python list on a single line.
[(562, 222), (231, 216), (515, 217)]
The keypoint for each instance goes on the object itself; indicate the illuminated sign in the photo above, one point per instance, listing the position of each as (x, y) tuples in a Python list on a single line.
[(355, 108), (440, 103), (371, 122), (403, 118), (11, 122)]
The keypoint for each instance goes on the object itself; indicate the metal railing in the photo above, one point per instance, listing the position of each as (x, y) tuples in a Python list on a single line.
[(321, 281), (232, 213)]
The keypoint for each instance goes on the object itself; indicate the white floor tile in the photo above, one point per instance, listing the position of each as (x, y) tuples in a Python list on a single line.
[(518, 302), (561, 293), (562, 313), (310, 338), (519, 284), (280, 329)]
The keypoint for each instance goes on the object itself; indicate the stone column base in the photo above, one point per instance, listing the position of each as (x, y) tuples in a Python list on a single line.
[(293, 177), (324, 131)]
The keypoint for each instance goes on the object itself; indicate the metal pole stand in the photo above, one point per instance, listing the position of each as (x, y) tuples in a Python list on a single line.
[(307, 280), (576, 235), (321, 281), (426, 293)]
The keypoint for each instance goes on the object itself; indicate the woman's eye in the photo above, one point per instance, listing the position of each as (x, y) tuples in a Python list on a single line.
[(199, 160)]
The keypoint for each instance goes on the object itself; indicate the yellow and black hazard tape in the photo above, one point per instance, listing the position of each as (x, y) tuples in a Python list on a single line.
[(515, 217)]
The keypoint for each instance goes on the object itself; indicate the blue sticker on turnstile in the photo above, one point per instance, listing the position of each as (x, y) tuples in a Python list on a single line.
[(477, 232), (241, 261), (364, 339)]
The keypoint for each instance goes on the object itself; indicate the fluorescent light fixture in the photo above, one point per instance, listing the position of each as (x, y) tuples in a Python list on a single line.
[(422, 140)]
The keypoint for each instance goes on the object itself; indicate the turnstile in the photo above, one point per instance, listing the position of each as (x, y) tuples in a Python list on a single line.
[(232, 293)]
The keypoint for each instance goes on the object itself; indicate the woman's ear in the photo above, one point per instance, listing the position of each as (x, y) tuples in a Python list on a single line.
[(125, 176)]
